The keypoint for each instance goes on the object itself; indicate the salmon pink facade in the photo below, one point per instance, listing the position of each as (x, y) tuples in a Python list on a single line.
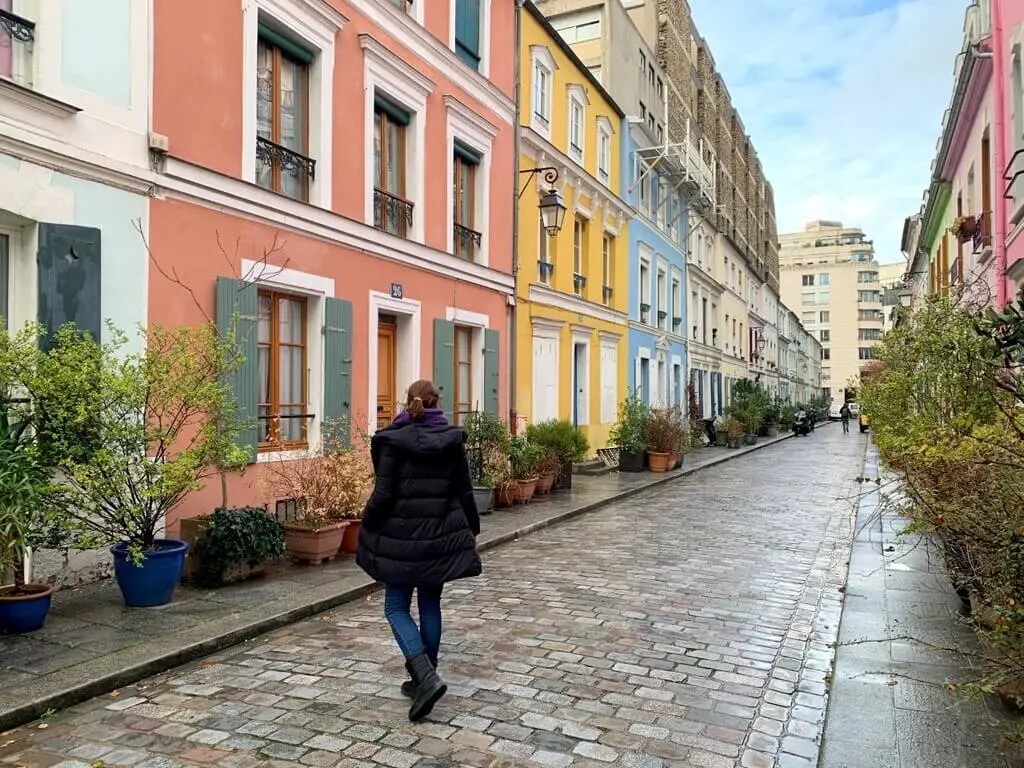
[(337, 184), (1008, 20)]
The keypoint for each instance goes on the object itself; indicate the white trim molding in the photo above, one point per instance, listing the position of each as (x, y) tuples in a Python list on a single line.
[(465, 317), (478, 322), (316, 289), (478, 134), (388, 73), (542, 294), (541, 59), (582, 336), (407, 347), (315, 24), (546, 328)]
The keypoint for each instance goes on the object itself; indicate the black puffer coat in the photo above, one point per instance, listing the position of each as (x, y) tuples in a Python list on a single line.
[(421, 522)]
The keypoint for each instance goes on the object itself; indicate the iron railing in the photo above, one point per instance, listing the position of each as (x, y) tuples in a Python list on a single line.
[(391, 213)]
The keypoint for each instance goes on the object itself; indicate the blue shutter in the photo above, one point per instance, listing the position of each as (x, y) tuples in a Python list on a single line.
[(68, 264), (444, 364), (336, 425), (492, 348), (238, 307)]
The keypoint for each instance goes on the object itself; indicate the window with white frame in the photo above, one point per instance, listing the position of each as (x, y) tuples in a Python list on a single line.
[(645, 290), (543, 77), (470, 138), (677, 306), (577, 121), (604, 150), (662, 299), (1017, 102), (396, 105)]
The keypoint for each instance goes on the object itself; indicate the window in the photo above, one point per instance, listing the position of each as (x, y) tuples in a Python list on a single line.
[(870, 315), (824, 278), (606, 268), (826, 335), (869, 334), (808, 317), (677, 306), (1017, 101), (392, 212), (823, 316), (660, 134), (824, 297), (643, 62), (604, 150), (661, 88), (403, 5), (869, 296), (662, 300), (867, 277), (467, 32), (866, 353), (808, 281), (579, 254), (577, 121), (643, 111), (543, 76), (5, 280), (282, 116), (463, 372), (645, 290), (466, 237), (281, 345)]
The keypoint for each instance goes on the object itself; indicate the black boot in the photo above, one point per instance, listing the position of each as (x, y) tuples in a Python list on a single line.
[(429, 687), (409, 687)]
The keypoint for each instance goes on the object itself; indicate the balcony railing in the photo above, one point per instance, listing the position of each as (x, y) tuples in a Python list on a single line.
[(545, 269), (677, 324), (17, 38), (606, 294), (645, 313), (983, 231), (391, 213), (579, 282), (290, 172), (466, 241), (662, 316)]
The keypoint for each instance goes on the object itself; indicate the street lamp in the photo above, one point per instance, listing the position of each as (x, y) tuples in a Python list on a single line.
[(552, 205)]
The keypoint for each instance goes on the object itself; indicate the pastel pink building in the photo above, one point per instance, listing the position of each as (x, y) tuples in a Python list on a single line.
[(1008, 26), (339, 176)]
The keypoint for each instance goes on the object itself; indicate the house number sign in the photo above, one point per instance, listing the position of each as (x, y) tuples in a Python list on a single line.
[(396, 290)]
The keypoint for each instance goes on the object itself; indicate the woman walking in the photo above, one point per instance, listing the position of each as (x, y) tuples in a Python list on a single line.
[(419, 532)]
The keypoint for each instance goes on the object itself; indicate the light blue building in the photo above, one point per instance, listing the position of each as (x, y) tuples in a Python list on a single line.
[(657, 266)]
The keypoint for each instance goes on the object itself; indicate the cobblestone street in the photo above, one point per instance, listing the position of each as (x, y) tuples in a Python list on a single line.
[(688, 626)]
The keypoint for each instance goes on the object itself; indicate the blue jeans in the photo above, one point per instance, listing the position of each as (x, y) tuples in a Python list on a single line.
[(413, 640)]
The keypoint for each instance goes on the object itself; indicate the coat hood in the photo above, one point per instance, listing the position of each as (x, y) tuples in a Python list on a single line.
[(421, 438)]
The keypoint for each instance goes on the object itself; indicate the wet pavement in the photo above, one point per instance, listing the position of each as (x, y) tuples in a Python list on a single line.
[(690, 625)]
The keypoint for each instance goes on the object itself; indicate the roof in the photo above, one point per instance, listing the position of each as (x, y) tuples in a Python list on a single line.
[(571, 55)]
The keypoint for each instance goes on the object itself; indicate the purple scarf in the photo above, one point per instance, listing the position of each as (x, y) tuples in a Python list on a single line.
[(433, 417)]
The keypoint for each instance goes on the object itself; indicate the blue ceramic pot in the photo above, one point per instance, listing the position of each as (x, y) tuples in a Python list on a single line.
[(25, 613), (153, 582)]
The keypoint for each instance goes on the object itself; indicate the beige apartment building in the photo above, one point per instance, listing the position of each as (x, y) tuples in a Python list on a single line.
[(830, 278)]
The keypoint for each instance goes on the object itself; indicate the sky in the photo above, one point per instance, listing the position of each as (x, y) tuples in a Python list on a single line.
[(843, 100)]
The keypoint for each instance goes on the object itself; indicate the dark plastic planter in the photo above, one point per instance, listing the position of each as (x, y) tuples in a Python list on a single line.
[(631, 462), (153, 582), (25, 613), (563, 480)]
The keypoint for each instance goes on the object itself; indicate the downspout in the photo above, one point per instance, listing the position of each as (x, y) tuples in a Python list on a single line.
[(999, 95), (513, 352)]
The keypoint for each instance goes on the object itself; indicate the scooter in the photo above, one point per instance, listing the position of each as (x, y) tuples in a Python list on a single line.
[(801, 424)]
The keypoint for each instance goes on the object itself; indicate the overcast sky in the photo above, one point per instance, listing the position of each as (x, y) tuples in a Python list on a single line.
[(843, 100)]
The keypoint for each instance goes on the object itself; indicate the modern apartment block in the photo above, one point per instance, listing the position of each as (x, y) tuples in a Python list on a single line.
[(831, 279)]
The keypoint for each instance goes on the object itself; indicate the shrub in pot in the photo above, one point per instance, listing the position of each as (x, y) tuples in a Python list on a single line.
[(734, 432), (524, 457), (662, 439), (131, 434), (547, 470), (487, 450), (720, 431), (234, 545), (629, 433), (565, 441)]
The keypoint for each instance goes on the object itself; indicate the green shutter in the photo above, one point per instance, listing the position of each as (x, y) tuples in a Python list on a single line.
[(467, 154), (68, 265), (444, 364), (286, 44), (467, 31), (238, 307), (391, 108), (337, 372), (492, 348)]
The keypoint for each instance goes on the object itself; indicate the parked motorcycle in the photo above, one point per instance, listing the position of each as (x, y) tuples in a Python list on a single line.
[(801, 424)]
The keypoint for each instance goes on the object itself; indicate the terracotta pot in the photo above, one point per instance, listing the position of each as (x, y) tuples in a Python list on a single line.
[(544, 483), (526, 489), (676, 461), (314, 547), (506, 494), (659, 462), (350, 537)]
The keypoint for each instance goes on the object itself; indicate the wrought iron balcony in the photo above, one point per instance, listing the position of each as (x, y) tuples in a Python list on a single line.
[(284, 162), (579, 282), (607, 293), (645, 313), (391, 213), (545, 269), (17, 38), (677, 324), (983, 231), (662, 315), (466, 241)]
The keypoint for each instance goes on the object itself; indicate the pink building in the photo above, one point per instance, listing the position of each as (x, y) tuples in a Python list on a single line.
[(337, 174), (1008, 25)]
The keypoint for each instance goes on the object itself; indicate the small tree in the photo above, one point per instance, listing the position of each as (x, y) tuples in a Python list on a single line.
[(159, 422)]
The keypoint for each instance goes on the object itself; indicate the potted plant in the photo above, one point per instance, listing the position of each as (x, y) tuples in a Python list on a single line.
[(734, 432), (235, 545), (131, 434), (630, 433), (353, 476), (565, 441), (524, 457), (547, 470), (486, 448), (661, 439), (770, 419), (720, 431), (680, 436), (964, 227)]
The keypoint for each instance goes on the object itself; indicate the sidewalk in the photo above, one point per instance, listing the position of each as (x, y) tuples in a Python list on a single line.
[(888, 707), (92, 644)]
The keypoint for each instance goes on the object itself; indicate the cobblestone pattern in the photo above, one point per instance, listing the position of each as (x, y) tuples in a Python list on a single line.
[(686, 627)]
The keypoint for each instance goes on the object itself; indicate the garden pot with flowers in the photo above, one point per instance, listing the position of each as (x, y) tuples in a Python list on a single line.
[(964, 228)]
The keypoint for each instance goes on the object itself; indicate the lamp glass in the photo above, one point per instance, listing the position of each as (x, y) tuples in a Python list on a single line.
[(552, 211)]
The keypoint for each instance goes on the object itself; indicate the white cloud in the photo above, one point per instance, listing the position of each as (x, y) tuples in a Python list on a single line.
[(843, 100)]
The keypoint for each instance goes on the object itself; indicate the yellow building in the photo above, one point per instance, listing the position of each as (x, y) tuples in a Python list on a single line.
[(572, 289)]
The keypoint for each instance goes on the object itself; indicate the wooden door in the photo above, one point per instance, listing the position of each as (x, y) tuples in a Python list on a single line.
[(387, 395)]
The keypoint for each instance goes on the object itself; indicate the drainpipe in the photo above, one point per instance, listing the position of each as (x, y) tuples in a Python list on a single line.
[(513, 352), (999, 95)]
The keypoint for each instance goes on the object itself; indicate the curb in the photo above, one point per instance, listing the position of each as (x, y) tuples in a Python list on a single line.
[(107, 682)]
